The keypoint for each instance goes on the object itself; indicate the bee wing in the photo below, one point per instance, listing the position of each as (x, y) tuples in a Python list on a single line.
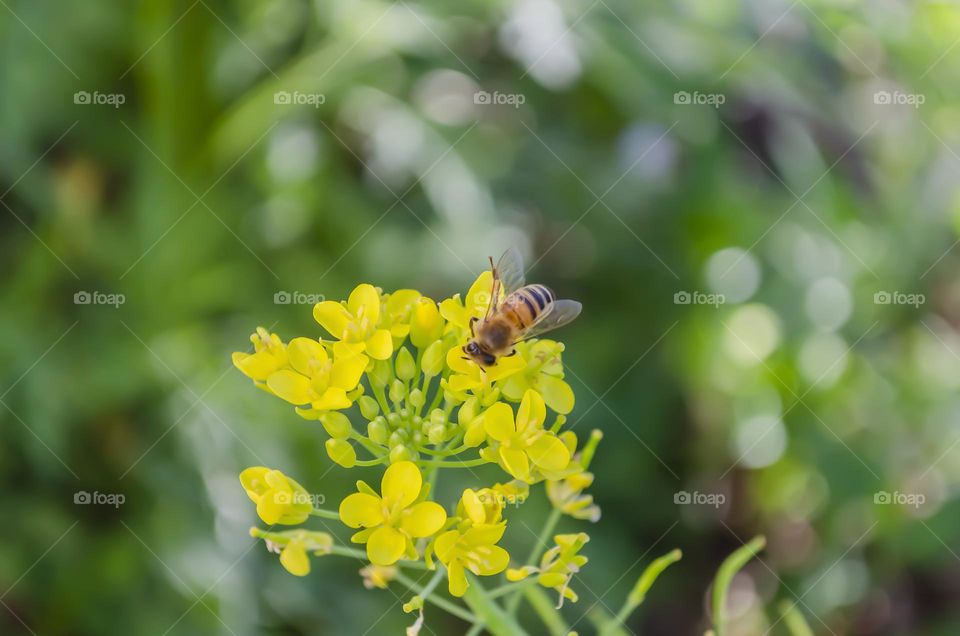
[(557, 314), (510, 270)]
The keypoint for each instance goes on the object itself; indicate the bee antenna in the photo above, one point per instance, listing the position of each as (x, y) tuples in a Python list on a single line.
[(492, 266)]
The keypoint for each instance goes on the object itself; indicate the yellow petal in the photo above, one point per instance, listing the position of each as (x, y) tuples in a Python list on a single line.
[(333, 317), (556, 393), (272, 505), (253, 480), (347, 349), (478, 297), (445, 544), (473, 506), (401, 484), (491, 559), (462, 383), (456, 361), (457, 584), (380, 345), (294, 559), (386, 546), (364, 302), (519, 574), (505, 366), (423, 519), (426, 324), (361, 510), (549, 453), (301, 351), (257, 366), (332, 399), (346, 371), (452, 311), (290, 386), (498, 422), (532, 411), (515, 462)]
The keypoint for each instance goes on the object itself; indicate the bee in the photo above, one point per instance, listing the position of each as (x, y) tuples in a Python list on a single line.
[(527, 311)]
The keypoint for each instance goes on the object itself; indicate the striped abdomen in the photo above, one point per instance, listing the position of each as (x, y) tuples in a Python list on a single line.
[(525, 305)]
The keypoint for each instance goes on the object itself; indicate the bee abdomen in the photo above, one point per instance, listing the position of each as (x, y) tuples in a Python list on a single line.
[(527, 303)]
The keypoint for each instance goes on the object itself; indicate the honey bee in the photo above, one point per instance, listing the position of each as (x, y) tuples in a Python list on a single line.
[(527, 311)]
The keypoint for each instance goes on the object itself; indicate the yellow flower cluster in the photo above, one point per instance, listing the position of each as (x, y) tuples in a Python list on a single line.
[(390, 386)]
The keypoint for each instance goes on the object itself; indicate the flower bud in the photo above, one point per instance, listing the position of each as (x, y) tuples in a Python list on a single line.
[(341, 452), (437, 416), (368, 407), (437, 434), (377, 430), (416, 398), (433, 359), (397, 438), (426, 324), (406, 366), (380, 373), (400, 453), (336, 424), (595, 436), (393, 420), (398, 391)]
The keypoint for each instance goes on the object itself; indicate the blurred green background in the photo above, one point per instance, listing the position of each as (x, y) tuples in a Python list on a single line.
[(755, 201)]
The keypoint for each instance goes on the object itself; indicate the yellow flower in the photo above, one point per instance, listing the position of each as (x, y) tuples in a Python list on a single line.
[(397, 311), (377, 576), (390, 522), (543, 373), (567, 495), (458, 313), (470, 377), (279, 499), (481, 507), (315, 378), (472, 544), (355, 323), (293, 546), (522, 444), (426, 323), (557, 566), (270, 354)]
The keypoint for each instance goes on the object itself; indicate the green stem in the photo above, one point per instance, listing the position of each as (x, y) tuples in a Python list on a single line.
[(326, 514), (639, 592), (443, 604), (535, 552), (794, 619), (546, 610), (507, 588), (453, 464), (721, 585), (371, 462), (494, 619)]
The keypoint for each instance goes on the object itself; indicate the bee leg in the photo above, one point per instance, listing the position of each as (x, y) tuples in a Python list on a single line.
[(511, 354), (473, 321)]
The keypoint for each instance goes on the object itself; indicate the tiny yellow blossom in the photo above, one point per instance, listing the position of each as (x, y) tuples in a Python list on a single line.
[(470, 377), (392, 520), (458, 312), (293, 546), (472, 544), (270, 355), (355, 323), (378, 575), (567, 495), (557, 566), (426, 323), (396, 314), (279, 499), (543, 373), (521, 444), (315, 378)]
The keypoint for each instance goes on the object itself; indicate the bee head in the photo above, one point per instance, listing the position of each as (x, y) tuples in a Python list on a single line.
[(478, 355)]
